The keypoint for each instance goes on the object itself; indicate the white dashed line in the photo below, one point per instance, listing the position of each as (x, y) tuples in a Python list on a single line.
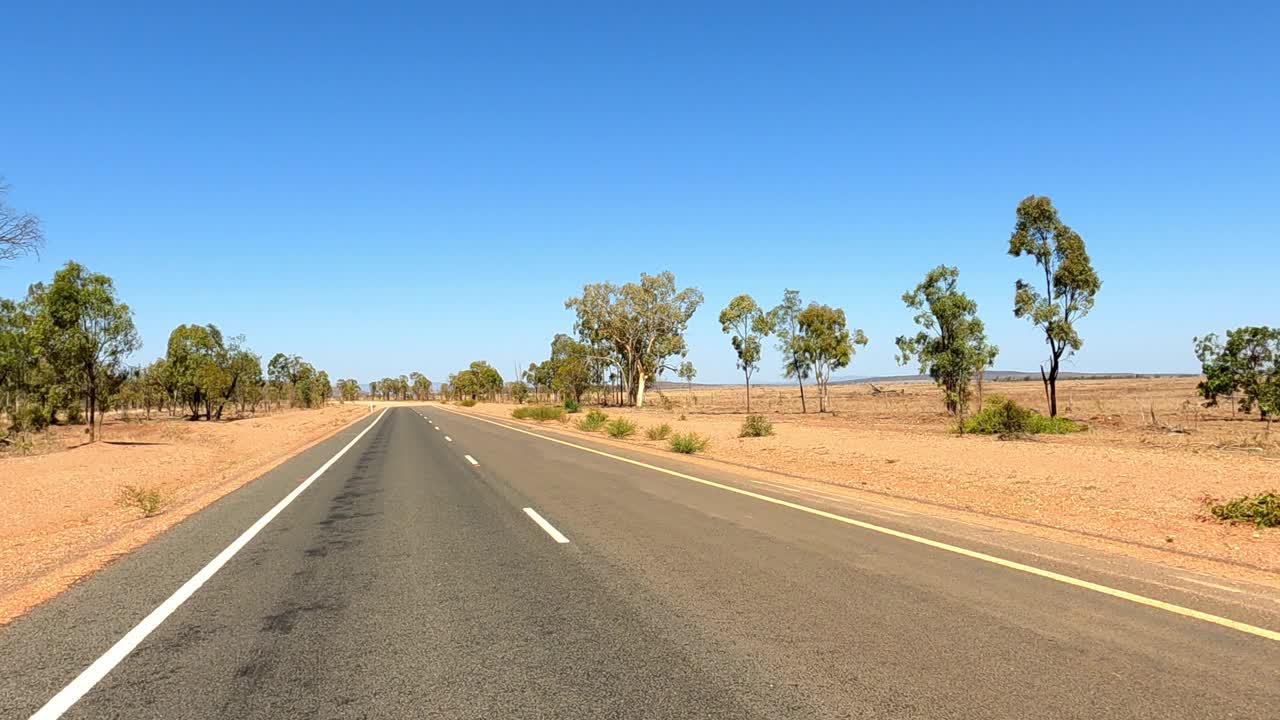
[(471, 460), (449, 439), (554, 533)]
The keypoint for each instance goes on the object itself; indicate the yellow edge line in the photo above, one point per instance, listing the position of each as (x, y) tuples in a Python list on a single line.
[(1049, 574)]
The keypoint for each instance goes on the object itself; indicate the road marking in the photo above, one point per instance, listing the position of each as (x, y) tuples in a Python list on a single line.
[(542, 523), (471, 460), (448, 439), (85, 681), (436, 427), (1209, 584), (973, 554)]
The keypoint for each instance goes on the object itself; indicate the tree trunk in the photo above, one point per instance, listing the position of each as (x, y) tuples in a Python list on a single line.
[(803, 409), (1053, 389), (93, 407), (748, 376), (640, 389), (1045, 379)]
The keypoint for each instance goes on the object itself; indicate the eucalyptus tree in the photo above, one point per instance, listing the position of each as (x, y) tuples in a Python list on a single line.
[(90, 333), (743, 319), (951, 346), (1070, 283), (783, 318), (642, 324), (826, 345)]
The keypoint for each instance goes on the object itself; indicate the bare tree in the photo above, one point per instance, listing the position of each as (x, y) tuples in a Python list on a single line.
[(20, 233)]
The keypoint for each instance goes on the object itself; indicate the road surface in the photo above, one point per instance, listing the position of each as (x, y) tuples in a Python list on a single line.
[(446, 566)]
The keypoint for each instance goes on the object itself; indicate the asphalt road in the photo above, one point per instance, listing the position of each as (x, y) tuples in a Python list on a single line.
[(409, 581)]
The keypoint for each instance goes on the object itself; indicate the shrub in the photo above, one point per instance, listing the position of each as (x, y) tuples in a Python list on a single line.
[(658, 432), (594, 421), (571, 405), (147, 499), (75, 416), (1006, 418), (688, 443), (538, 412), (1261, 510), (467, 403), (620, 428), (756, 426), (30, 418)]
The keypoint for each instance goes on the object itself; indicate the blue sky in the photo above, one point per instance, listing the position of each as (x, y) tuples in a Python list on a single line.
[(383, 188)]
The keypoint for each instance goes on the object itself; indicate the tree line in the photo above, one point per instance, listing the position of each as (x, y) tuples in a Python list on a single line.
[(626, 336)]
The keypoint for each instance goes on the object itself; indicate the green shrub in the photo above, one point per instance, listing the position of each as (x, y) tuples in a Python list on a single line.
[(620, 428), (571, 405), (467, 403), (594, 421), (756, 426), (538, 412), (688, 443), (1261, 510), (30, 418), (75, 416), (658, 432), (147, 499), (1006, 418)]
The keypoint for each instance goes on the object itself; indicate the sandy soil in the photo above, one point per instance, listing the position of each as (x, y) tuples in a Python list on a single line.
[(59, 516), (1139, 483)]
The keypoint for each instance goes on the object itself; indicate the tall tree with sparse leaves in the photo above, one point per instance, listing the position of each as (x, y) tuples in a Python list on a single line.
[(784, 320), (747, 323), (1070, 283)]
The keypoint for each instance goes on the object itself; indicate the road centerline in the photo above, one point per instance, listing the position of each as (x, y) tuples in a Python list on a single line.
[(471, 460), (546, 526)]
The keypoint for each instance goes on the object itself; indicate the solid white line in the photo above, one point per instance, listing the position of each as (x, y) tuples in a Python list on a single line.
[(554, 533), (471, 460), (973, 554), (449, 439), (1212, 585), (85, 681)]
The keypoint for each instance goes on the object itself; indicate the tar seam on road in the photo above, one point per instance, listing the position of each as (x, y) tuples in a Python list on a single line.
[(974, 554), (542, 523), (85, 681), (471, 460)]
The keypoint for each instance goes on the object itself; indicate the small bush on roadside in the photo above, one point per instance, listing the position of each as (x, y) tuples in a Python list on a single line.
[(688, 443), (594, 421), (147, 499), (571, 405), (30, 418), (467, 403), (538, 412), (756, 426), (620, 428), (658, 432), (1006, 418), (75, 416), (1260, 510)]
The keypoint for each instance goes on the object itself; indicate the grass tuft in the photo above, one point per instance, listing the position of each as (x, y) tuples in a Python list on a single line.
[(620, 428), (571, 405), (467, 403), (756, 426), (594, 421), (688, 443), (538, 412), (658, 432), (147, 499)]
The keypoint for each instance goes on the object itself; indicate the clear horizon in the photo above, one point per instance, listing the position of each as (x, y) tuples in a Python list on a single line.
[(403, 189)]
